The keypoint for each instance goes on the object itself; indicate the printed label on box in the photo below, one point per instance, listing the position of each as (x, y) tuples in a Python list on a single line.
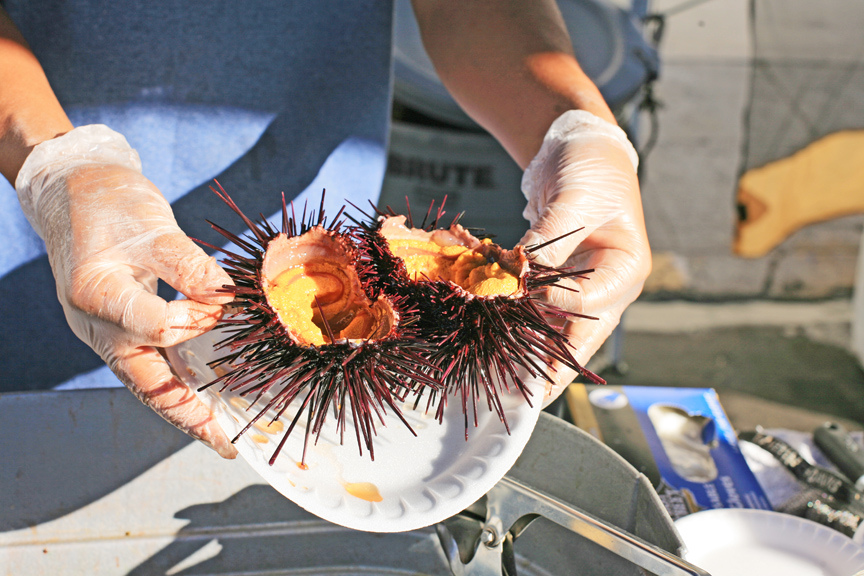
[(680, 438)]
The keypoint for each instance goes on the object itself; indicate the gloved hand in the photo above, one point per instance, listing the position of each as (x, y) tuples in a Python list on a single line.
[(110, 234), (584, 176)]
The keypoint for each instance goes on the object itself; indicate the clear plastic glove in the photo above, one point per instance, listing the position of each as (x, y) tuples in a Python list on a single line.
[(110, 234), (584, 178)]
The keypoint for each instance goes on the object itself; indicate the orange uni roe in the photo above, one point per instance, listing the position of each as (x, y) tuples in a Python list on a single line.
[(453, 255), (309, 280)]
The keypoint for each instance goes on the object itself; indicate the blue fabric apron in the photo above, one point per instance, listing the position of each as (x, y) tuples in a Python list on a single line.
[(265, 96)]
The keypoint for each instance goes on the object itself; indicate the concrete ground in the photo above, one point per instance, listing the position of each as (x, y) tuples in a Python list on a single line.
[(784, 365), (689, 182), (771, 334)]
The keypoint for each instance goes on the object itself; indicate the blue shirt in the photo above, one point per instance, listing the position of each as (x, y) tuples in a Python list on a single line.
[(265, 96)]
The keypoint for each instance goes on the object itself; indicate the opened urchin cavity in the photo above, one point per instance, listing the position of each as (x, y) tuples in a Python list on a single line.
[(478, 267), (479, 308), (310, 284), (303, 341)]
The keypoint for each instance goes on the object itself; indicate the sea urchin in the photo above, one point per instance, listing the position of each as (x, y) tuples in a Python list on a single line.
[(476, 303), (301, 328)]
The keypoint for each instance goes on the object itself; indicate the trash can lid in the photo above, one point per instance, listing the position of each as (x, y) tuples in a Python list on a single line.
[(606, 41)]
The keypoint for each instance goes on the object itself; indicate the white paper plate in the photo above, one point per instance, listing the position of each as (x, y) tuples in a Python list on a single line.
[(734, 542), (413, 481)]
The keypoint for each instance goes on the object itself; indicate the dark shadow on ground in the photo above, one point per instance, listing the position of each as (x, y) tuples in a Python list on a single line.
[(259, 530), (64, 450)]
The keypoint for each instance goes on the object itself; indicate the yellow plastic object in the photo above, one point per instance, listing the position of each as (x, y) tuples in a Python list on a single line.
[(825, 180)]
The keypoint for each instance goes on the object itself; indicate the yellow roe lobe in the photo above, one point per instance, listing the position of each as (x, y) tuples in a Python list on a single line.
[(465, 267), (307, 279), (292, 296)]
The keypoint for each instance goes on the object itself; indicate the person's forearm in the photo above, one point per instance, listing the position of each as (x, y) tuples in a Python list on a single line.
[(509, 64), (29, 110)]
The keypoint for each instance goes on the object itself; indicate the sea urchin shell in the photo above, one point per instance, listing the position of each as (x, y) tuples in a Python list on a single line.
[(476, 307), (303, 331)]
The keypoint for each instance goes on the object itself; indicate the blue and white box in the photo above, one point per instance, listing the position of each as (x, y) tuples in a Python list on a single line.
[(680, 438)]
